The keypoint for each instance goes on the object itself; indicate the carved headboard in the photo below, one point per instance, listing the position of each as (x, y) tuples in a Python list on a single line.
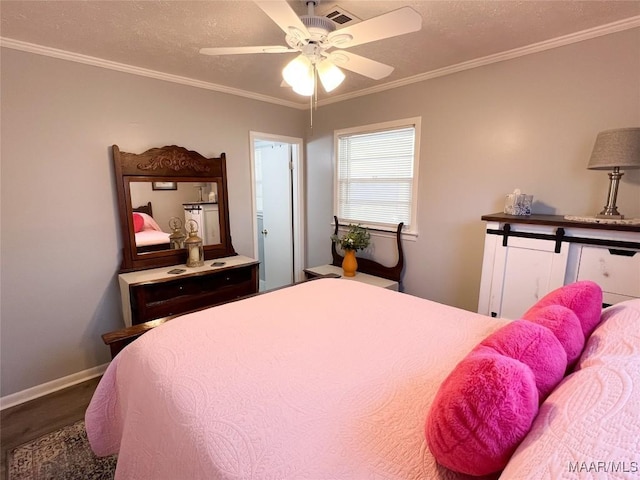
[(144, 209), (366, 265)]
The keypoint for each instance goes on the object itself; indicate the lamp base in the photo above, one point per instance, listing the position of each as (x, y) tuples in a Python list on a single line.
[(611, 216), (610, 209)]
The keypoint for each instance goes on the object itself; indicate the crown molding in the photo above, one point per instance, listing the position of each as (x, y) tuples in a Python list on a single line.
[(144, 72), (625, 24)]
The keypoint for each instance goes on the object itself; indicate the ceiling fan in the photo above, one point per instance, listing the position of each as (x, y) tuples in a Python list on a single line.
[(321, 45)]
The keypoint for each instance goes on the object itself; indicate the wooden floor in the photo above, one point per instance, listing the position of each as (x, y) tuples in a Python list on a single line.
[(30, 420)]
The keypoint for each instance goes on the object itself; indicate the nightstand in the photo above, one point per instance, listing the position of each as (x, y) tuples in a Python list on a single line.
[(360, 276)]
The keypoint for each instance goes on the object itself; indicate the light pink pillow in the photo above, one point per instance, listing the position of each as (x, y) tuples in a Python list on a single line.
[(535, 346), (481, 412), (138, 222), (564, 324), (584, 298)]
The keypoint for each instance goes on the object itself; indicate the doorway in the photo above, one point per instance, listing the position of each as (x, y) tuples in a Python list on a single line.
[(277, 206)]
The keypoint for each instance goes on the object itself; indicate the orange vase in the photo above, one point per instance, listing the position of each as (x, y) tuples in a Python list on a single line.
[(349, 263)]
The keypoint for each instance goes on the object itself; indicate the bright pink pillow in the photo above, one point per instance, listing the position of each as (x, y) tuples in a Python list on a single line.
[(481, 412), (534, 345), (138, 222), (584, 298), (564, 324)]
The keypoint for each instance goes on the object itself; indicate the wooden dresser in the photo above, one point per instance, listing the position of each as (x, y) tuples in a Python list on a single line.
[(155, 283), (155, 293)]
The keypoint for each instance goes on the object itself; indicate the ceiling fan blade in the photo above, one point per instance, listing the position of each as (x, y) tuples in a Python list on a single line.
[(399, 22), (243, 50), (362, 65), (282, 14)]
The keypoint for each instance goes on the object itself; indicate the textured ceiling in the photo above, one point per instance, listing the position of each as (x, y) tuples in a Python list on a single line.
[(165, 36)]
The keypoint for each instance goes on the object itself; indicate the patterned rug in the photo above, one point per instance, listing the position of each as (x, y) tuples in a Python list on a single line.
[(61, 455)]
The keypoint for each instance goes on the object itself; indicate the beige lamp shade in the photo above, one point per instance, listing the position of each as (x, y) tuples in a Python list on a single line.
[(616, 148)]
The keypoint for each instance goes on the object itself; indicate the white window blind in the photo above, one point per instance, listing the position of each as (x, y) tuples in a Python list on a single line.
[(375, 176)]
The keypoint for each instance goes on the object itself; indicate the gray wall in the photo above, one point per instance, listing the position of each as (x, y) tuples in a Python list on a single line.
[(528, 123), (60, 236)]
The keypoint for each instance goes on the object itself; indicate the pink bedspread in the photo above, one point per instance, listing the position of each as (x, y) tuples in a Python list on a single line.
[(327, 379), (151, 233), (147, 238)]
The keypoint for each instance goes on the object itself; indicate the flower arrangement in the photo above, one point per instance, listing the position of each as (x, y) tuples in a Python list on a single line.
[(356, 238)]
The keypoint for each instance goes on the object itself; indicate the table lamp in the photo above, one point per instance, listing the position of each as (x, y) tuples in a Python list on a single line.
[(193, 244), (176, 239), (613, 150)]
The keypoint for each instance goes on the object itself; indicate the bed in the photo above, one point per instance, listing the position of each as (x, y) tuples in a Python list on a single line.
[(149, 236), (331, 379)]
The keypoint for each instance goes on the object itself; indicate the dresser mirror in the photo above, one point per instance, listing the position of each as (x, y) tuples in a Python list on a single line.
[(159, 208), (158, 192)]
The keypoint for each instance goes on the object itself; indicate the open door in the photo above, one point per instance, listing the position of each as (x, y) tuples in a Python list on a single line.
[(276, 173)]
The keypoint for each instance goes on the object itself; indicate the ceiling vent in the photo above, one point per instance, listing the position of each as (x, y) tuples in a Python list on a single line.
[(339, 16)]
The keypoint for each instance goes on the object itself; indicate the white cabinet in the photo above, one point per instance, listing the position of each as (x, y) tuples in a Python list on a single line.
[(207, 216), (527, 257)]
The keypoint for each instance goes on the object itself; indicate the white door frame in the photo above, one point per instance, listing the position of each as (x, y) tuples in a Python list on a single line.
[(298, 198)]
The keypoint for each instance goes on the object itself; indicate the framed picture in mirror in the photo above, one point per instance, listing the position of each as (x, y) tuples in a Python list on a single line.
[(164, 185)]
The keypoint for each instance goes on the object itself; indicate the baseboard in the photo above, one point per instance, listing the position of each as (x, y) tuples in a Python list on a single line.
[(50, 387)]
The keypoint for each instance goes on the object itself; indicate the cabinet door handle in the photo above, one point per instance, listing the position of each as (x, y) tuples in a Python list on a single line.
[(622, 253), (265, 232)]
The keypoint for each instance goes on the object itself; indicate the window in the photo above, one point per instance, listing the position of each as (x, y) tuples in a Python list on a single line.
[(376, 174)]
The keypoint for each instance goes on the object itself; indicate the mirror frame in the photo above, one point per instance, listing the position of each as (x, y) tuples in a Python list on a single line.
[(168, 164)]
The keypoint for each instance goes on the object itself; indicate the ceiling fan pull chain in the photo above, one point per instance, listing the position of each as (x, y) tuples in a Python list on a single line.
[(315, 86)]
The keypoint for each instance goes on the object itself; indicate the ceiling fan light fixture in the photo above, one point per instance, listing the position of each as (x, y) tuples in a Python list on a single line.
[(305, 87), (330, 75), (296, 70), (315, 35), (299, 74)]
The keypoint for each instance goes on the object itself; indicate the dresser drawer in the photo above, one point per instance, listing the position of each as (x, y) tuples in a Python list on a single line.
[(616, 271), (183, 294), (190, 286)]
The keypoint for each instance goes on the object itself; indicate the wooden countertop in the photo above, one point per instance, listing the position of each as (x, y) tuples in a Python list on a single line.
[(557, 221)]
